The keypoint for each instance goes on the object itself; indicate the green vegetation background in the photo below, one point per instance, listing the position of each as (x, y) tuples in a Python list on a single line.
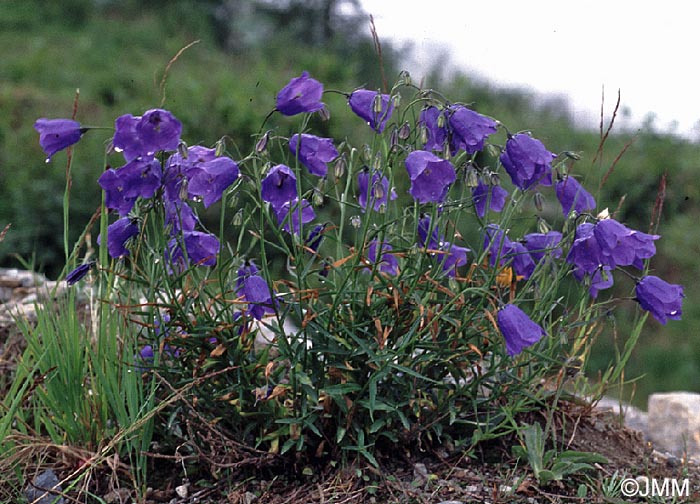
[(116, 53)]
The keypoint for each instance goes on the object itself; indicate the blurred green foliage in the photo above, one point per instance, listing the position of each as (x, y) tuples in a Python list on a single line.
[(116, 53)]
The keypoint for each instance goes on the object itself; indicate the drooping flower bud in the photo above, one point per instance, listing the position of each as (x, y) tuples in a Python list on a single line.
[(261, 144)]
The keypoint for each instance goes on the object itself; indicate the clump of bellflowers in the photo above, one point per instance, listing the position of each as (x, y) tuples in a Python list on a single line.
[(342, 309)]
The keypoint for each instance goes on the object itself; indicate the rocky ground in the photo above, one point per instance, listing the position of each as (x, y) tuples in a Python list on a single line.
[(437, 476)]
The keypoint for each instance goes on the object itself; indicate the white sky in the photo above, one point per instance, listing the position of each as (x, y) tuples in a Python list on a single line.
[(648, 50)]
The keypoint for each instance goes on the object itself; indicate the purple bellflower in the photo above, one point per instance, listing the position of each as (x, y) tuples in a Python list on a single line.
[(435, 241), (504, 251), (179, 168), (488, 197), (301, 94), (202, 249), (527, 161), (247, 269), (379, 253), (621, 246), (517, 329), (140, 177), (118, 234), (453, 257), (179, 216), (289, 212), (257, 294), (157, 130), (314, 152), (585, 253), (541, 244), (432, 119), (279, 186), (57, 134), (450, 256), (468, 129), (210, 179), (373, 107), (375, 191), (572, 195), (79, 273), (430, 176), (663, 300)]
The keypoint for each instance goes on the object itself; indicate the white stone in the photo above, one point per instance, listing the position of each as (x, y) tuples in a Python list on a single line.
[(674, 423)]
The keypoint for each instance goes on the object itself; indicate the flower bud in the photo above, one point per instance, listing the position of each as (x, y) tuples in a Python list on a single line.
[(493, 150), (423, 134), (441, 121), (377, 164), (367, 154), (183, 189), (261, 145), (396, 99), (539, 201), (542, 226), (356, 221), (471, 176), (237, 218), (494, 179), (394, 137), (220, 147), (378, 190), (377, 103), (405, 78), (317, 198), (340, 166), (324, 113), (404, 131), (182, 149), (572, 155)]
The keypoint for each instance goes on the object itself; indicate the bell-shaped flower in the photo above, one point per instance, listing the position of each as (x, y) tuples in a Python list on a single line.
[(541, 244), (425, 228), (257, 294), (503, 252), (622, 246), (452, 257), (434, 123), (201, 250), (301, 94), (430, 176), (518, 329), (468, 129), (314, 152), (180, 166), (157, 130), (662, 299), (179, 216), (488, 197), (57, 134), (527, 161), (79, 273), (140, 177), (289, 212), (210, 179), (585, 252), (279, 186), (373, 107), (573, 196), (380, 253), (373, 190), (118, 235)]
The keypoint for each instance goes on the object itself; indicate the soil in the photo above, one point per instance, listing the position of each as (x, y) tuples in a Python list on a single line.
[(436, 477)]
